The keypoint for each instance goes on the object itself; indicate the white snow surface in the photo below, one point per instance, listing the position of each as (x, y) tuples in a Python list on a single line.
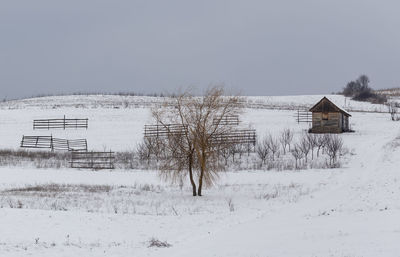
[(349, 212), (303, 102)]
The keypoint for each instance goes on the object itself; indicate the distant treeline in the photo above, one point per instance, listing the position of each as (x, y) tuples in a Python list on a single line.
[(96, 93), (360, 90)]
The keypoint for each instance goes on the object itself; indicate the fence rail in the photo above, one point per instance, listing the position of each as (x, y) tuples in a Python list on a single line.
[(164, 130), (77, 145), (36, 142), (232, 120), (92, 160), (60, 123), (303, 116), (240, 136), (49, 142)]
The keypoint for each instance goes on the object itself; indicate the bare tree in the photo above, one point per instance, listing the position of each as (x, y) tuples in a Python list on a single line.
[(305, 146), (235, 149), (225, 154), (286, 139), (297, 153), (146, 149), (262, 150), (321, 142), (334, 145), (157, 147), (195, 149), (363, 80), (273, 145), (179, 145), (240, 149), (210, 132), (312, 141), (393, 110)]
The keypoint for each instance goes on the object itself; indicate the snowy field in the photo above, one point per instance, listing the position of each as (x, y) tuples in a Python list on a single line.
[(117, 122), (348, 212), (126, 102)]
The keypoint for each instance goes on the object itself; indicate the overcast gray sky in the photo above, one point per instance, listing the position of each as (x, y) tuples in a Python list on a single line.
[(257, 47)]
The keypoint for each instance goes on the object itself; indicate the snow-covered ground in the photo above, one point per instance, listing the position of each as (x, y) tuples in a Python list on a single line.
[(119, 127), (351, 211), (115, 129), (127, 102)]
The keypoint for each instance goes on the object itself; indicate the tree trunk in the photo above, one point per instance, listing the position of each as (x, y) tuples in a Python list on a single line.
[(200, 183), (191, 175), (202, 170)]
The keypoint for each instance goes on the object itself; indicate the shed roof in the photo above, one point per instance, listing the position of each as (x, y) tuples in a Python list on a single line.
[(326, 105)]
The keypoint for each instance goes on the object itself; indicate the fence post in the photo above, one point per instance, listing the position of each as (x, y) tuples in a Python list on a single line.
[(110, 160), (91, 160), (298, 116), (72, 159)]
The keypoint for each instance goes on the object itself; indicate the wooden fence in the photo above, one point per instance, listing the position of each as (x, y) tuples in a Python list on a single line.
[(92, 160), (245, 137), (164, 130), (77, 145), (239, 136), (49, 142), (232, 120), (36, 142), (60, 123), (303, 116)]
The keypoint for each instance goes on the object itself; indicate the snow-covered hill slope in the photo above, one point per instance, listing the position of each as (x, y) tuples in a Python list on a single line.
[(346, 212), (118, 101), (117, 122), (357, 215)]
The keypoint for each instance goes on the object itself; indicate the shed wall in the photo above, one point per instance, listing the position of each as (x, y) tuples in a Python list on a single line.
[(331, 125)]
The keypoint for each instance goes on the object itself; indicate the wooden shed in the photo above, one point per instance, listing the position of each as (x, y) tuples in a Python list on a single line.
[(328, 118)]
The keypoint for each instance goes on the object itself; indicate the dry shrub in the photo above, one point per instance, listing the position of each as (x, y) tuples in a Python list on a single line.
[(154, 242)]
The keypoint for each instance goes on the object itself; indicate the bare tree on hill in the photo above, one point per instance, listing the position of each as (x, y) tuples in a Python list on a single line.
[(195, 149)]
